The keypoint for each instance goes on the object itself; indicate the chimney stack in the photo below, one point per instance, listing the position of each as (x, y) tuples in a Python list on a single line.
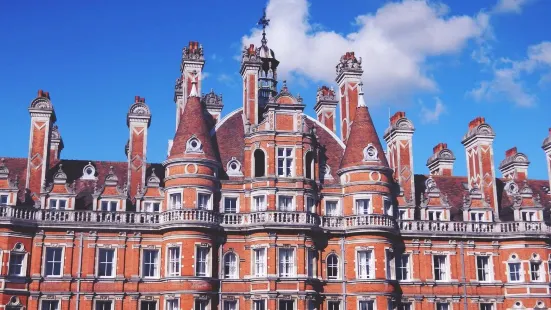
[(515, 165), (441, 160), (326, 106)]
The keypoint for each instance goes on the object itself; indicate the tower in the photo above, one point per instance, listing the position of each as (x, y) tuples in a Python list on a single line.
[(349, 72)]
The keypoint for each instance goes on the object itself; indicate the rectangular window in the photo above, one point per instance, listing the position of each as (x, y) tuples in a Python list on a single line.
[(259, 305), (285, 203), (150, 265), (477, 217), (50, 305), (3, 199), (259, 262), (514, 272), (201, 305), (104, 305), (230, 305), (363, 264), (363, 207), (402, 214), (486, 306), (529, 216), (106, 263), (404, 306), (58, 204), (54, 262), (173, 304), (286, 262), (333, 305), (203, 201), (435, 215), (16, 267), (150, 206), (535, 272), (175, 201), (173, 261), (310, 205), (332, 208), (109, 205), (285, 162), (312, 259), (259, 203), (390, 264), (440, 265), (387, 205), (366, 305), (442, 306), (202, 262), (403, 267), (148, 305), (286, 305), (230, 205), (483, 268)]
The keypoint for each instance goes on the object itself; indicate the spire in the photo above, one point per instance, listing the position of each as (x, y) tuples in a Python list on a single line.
[(192, 138), (361, 101), (363, 147), (264, 22)]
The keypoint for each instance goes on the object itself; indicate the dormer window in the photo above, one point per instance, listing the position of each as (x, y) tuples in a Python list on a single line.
[(3, 199), (434, 215), (109, 205), (193, 145), (57, 204), (89, 172), (529, 216), (175, 201), (477, 217), (233, 167), (203, 201), (152, 206)]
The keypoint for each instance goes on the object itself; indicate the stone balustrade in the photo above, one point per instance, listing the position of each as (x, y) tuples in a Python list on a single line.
[(279, 219)]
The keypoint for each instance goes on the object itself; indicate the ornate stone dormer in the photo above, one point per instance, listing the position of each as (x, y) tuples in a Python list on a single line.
[(526, 206), (150, 197), (213, 105), (515, 165), (8, 187), (59, 194), (546, 146), (138, 121), (111, 196), (441, 161), (326, 106), (476, 208), (434, 204)]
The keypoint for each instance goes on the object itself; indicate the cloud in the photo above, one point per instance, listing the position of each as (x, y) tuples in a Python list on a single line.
[(509, 6), (204, 75), (227, 79), (429, 115), (508, 82), (394, 43)]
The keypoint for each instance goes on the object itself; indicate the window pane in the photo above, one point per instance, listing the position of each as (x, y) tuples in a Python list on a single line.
[(514, 271), (230, 205), (16, 264), (53, 262), (259, 262), (286, 305), (230, 305), (3, 199), (259, 305), (332, 267), (286, 262), (148, 305), (150, 263), (104, 305), (366, 305), (173, 304), (174, 261), (201, 262), (50, 305), (106, 262)]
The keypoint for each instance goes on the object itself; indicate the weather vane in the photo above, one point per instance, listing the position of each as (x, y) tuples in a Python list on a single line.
[(264, 22)]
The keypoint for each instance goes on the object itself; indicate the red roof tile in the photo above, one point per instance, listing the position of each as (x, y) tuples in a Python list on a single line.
[(229, 138)]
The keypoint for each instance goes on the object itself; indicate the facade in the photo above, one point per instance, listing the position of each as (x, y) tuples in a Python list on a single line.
[(267, 208)]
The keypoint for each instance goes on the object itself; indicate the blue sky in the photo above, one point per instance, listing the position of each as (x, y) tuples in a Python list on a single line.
[(443, 62)]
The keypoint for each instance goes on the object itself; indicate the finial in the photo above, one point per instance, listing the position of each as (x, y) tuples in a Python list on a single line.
[(361, 101), (264, 22)]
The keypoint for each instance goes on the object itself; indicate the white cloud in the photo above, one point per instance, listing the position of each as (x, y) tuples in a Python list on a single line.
[(227, 79), (394, 43), (432, 115), (508, 77), (509, 6)]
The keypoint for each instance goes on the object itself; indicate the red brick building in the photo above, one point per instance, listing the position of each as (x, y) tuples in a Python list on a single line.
[(267, 208)]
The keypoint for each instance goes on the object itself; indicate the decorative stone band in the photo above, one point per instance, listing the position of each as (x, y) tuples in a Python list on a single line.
[(481, 229)]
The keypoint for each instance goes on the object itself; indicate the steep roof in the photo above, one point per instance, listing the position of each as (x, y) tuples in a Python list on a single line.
[(229, 137), (192, 124), (362, 134)]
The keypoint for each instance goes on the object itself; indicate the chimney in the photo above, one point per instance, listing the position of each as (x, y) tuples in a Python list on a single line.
[(138, 121), (250, 68), (326, 106), (441, 161), (547, 149), (399, 139), (480, 161), (349, 73), (515, 165)]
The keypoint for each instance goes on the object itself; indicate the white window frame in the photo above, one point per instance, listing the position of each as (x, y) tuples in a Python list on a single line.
[(23, 271), (57, 203), (237, 205), (170, 261), (533, 215), (387, 209), (433, 213), (203, 194), (230, 274), (408, 267), (359, 198), (153, 301), (7, 195), (225, 306), (207, 261), (338, 211), (447, 306), (539, 273), (263, 207), (206, 303), (327, 266), (368, 273), (149, 204), (403, 212), (514, 259), (255, 270), (447, 275), (482, 306), (309, 204), (259, 301), (109, 203), (96, 307), (490, 272), (293, 202), (312, 263), (172, 203), (62, 266), (291, 263), (294, 307), (42, 301), (367, 301), (170, 300), (113, 262), (477, 216), (331, 303), (286, 163), (156, 264)]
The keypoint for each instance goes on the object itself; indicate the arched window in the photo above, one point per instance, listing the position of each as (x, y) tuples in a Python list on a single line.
[(259, 163), (309, 165), (332, 266), (230, 266)]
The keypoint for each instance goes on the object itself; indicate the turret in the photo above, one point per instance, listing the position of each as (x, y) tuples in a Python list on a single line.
[(191, 66)]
